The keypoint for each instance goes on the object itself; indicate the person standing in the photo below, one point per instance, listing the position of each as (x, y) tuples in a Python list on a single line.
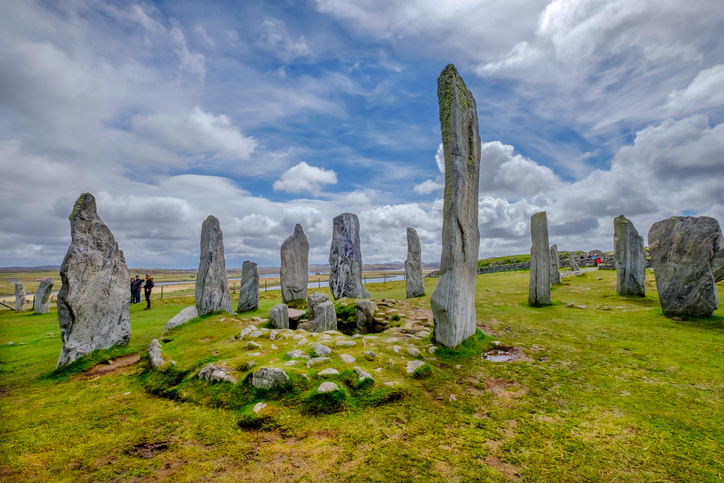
[(147, 291), (137, 290), (133, 291)]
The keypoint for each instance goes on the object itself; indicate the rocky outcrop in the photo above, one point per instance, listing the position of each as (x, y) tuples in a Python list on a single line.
[(539, 287), (630, 258), (414, 285), (248, 288), (294, 274), (345, 258), (93, 302), (212, 373), (325, 317), (687, 254), (453, 300), (313, 302), (181, 318), (20, 297), (364, 311), (555, 267), (212, 286), (279, 316)]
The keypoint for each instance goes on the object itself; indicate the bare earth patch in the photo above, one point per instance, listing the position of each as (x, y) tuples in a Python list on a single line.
[(118, 365), (510, 472)]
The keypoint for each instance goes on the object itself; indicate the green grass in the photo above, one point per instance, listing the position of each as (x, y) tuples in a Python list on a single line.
[(507, 260), (615, 392)]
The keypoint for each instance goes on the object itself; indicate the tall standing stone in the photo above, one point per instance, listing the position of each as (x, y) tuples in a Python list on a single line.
[(212, 286), (572, 262), (294, 274), (687, 255), (629, 257), (453, 300), (555, 267), (93, 301), (414, 285), (20, 297), (248, 288), (539, 287), (345, 258), (42, 296)]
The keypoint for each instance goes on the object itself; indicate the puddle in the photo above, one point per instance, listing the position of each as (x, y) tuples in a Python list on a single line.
[(499, 356)]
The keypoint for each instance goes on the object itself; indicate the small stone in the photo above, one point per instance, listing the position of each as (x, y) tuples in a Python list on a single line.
[(268, 377), (396, 349), (413, 365), (256, 334), (458, 366), (321, 350), (273, 334), (327, 387), (453, 398), (154, 353), (291, 363), (432, 349), (273, 347), (414, 352), (305, 376), (254, 354), (295, 354), (317, 360), (369, 355), (250, 364), (301, 342), (345, 343), (347, 359), (362, 374), (328, 372), (258, 407), (253, 345), (391, 363)]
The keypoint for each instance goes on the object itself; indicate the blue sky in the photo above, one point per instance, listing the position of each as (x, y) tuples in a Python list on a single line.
[(268, 114)]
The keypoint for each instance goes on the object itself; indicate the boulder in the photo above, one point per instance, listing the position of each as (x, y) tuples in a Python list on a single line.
[(555, 267), (687, 255), (155, 353), (453, 300), (42, 296), (321, 350), (248, 288), (20, 297), (93, 301), (269, 377), (345, 258), (182, 317), (414, 285), (295, 315), (294, 274), (347, 359), (313, 300), (629, 258), (212, 286), (327, 387), (325, 317), (539, 287), (279, 316), (364, 311), (210, 372)]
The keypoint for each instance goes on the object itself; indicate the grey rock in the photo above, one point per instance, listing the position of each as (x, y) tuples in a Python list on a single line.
[(252, 345), (42, 296), (20, 297), (93, 302), (256, 334), (182, 317), (313, 301), (364, 311), (212, 373), (629, 258), (321, 350), (413, 351), (687, 255), (327, 387), (155, 353), (414, 285), (347, 359), (317, 360), (269, 377), (412, 366), (362, 374), (328, 372), (555, 266), (279, 316), (295, 354), (325, 317), (345, 258), (308, 325), (572, 264), (294, 273), (369, 355), (345, 343), (295, 315), (212, 286), (453, 300), (248, 288), (539, 287)]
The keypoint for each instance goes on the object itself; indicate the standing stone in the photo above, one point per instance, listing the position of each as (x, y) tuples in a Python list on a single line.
[(294, 274), (414, 285), (364, 311), (93, 302), (279, 316), (42, 296), (313, 302), (687, 255), (345, 258), (248, 288), (629, 257), (453, 300), (20, 297), (555, 267), (212, 286), (572, 262), (325, 318), (539, 288)]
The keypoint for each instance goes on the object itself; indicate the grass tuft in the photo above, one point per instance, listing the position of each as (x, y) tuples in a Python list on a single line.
[(326, 403)]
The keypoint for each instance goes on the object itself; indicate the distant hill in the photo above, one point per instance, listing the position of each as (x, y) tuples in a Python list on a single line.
[(42, 268)]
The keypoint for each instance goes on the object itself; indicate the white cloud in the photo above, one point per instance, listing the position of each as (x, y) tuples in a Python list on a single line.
[(193, 62), (440, 159), (427, 187), (277, 40), (304, 177), (503, 173), (706, 90)]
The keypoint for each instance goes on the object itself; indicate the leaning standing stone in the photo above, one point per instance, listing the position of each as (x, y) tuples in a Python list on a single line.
[(453, 300), (345, 258), (20, 298), (364, 311), (93, 302), (279, 316), (687, 254), (629, 257), (414, 285), (294, 274), (181, 318), (555, 267), (572, 262), (212, 286), (325, 318), (313, 302), (42, 296), (539, 287), (248, 288)]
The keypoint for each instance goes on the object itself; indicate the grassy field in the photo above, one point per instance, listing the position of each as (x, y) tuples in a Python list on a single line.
[(612, 391)]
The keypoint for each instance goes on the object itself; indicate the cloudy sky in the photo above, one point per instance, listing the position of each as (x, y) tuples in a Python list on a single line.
[(268, 114)]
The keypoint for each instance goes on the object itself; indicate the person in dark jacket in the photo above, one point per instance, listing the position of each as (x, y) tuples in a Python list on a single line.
[(137, 290), (147, 291), (133, 292)]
